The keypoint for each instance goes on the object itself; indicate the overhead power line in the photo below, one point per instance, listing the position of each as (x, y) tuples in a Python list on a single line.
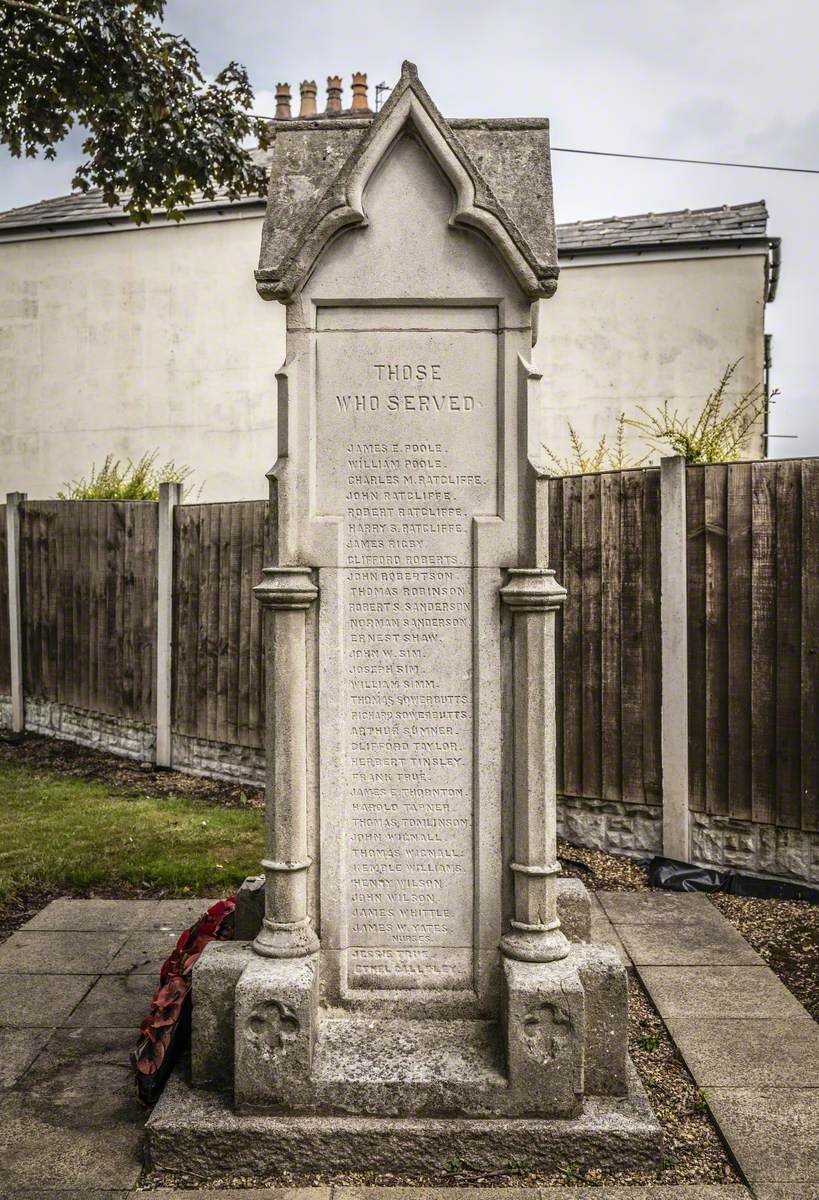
[(697, 162), (694, 162)]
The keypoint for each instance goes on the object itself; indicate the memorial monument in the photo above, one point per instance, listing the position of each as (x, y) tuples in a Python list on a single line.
[(410, 995)]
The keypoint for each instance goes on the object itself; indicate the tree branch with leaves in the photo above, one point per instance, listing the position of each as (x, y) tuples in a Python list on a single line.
[(157, 131)]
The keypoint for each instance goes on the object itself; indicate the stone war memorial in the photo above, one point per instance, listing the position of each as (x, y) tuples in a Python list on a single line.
[(421, 986)]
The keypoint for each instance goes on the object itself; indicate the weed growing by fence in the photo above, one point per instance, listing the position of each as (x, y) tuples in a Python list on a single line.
[(138, 480), (718, 434), (605, 456)]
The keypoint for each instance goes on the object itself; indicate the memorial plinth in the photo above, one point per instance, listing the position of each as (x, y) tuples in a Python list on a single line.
[(409, 990)]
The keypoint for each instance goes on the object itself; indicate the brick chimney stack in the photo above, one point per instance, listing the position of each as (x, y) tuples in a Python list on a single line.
[(282, 101), (333, 95), (359, 103), (308, 98)]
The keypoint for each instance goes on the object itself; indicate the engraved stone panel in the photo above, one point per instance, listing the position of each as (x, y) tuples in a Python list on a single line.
[(406, 455)]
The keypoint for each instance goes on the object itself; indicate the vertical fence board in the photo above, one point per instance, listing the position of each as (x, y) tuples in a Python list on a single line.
[(219, 554), (695, 521), (810, 644), (610, 700), (259, 543), (556, 562), (716, 640), (738, 508), (591, 737), (5, 649), (763, 643), (572, 634), (788, 632), (631, 636), (652, 640)]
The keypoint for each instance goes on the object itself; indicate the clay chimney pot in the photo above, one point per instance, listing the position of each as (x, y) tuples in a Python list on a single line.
[(308, 98), (359, 103), (333, 94), (282, 101)]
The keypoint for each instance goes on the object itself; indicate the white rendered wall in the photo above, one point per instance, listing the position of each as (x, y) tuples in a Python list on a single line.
[(122, 342), (623, 334), (126, 342)]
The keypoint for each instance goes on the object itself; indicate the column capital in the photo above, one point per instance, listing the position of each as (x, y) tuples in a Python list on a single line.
[(532, 589), (288, 588)]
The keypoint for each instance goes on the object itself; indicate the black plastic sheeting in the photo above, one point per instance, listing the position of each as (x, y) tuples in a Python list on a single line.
[(684, 877)]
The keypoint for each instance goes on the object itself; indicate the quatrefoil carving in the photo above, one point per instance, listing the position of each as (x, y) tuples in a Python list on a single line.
[(273, 1024)]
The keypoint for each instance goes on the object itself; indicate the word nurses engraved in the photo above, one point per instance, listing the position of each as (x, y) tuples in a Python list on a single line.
[(407, 449)]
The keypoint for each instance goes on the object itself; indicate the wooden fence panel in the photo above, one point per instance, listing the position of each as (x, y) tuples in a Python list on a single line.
[(604, 545), (218, 685), (88, 592), (809, 716), (753, 563), (5, 659)]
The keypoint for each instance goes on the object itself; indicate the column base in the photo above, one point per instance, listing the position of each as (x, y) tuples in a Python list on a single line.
[(528, 945), (285, 940)]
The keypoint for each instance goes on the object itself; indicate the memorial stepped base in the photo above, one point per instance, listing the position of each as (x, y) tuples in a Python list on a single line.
[(200, 1129), (394, 1066)]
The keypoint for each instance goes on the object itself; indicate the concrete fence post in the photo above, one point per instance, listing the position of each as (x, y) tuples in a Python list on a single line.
[(674, 623), (170, 494), (18, 710)]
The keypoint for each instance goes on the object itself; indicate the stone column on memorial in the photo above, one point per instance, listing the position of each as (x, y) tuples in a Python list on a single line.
[(533, 596), (285, 594)]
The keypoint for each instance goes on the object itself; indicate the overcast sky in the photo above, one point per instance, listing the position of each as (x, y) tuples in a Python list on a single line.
[(727, 80)]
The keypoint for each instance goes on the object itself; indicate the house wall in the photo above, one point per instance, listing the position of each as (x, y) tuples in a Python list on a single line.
[(618, 335), (123, 342)]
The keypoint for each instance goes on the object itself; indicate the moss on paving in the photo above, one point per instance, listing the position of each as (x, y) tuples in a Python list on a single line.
[(64, 834)]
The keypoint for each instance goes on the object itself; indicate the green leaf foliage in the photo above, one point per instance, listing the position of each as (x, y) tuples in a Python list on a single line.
[(129, 481), (157, 130)]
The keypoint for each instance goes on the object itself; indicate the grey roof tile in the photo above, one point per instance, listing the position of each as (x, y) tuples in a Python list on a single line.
[(724, 223)]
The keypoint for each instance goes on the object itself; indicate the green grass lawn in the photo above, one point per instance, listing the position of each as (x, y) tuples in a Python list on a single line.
[(58, 832)]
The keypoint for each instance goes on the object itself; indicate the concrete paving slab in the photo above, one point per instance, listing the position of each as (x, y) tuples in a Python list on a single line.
[(18, 1049), (603, 932), (633, 908), (95, 916), (143, 953), (50, 953), (305, 1193), (697, 1191), (719, 991), (37, 1001), (83, 1078), (70, 1194), (773, 1133), (179, 914), (749, 1053), (116, 1001), (669, 943), (39, 1153), (781, 1191)]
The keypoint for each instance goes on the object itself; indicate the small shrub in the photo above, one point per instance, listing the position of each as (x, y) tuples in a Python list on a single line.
[(718, 434), (132, 481)]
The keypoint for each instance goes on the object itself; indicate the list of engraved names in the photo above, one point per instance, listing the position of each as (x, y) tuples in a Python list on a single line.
[(414, 448)]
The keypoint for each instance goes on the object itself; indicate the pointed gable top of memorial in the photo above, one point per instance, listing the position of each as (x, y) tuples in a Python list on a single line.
[(499, 172)]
